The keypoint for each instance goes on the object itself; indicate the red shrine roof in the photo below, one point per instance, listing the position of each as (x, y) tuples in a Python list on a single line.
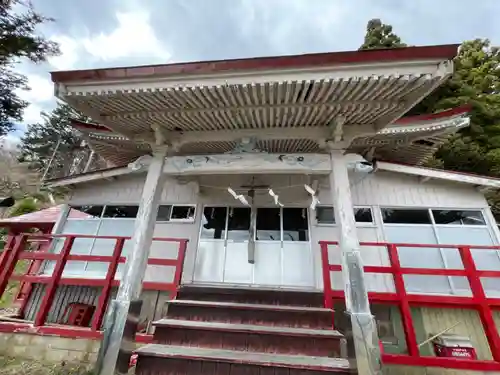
[(43, 218), (444, 52)]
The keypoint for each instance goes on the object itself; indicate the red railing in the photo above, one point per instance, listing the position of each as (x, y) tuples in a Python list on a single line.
[(16, 249), (405, 300)]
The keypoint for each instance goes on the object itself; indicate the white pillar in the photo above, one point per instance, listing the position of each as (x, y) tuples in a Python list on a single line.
[(135, 265), (364, 330)]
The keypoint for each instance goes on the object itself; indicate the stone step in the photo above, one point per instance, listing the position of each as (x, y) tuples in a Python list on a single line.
[(251, 296), (155, 359), (247, 337), (244, 313)]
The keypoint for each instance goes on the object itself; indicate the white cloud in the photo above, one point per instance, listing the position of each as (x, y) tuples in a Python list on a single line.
[(32, 113), (42, 89), (69, 53), (134, 36)]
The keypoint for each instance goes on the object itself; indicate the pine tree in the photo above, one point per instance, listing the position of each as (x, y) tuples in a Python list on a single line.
[(53, 137), (18, 39), (379, 35), (476, 82)]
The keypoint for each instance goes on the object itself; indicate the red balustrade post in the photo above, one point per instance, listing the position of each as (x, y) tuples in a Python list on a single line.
[(33, 268), (10, 261), (410, 336), (51, 287), (179, 267), (482, 304), (9, 245), (327, 281), (102, 304)]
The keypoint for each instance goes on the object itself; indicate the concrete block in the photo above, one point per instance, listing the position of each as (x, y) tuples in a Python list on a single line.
[(21, 339), (93, 346), (92, 358), (75, 356), (56, 355), (44, 341), (4, 341)]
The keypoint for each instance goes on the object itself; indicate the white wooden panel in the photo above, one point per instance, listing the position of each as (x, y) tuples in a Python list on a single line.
[(237, 270), (209, 261), (159, 274), (396, 189), (298, 267), (267, 267), (128, 189), (393, 189)]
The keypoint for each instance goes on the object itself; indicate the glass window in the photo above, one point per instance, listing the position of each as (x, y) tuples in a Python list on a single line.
[(295, 226), (164, 213), (458, 217), (363, 215), (213, 222), (268, 224), (121, 212), (92, 212), (405, 216), (182, 212), (238, 227), (325, 215)]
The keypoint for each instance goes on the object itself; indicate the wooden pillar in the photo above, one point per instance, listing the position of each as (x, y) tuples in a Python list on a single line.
[(364, 330), (135, 265)]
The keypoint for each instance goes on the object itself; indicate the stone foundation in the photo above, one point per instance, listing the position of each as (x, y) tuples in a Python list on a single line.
[(49, 348)]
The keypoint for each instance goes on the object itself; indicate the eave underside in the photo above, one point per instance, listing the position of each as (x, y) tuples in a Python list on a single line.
[(412, 143)]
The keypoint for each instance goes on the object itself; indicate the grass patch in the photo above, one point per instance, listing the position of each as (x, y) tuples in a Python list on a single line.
[(16, 366)]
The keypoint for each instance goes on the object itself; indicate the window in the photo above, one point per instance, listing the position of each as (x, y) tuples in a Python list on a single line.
[(363, 215), (238, 226), (405, 216), (326, 215), (110, 220), (93, 212), (458, 217), (268, 224), (213, 223), (176, 213), (183, 213), (164, 213), (295, 227), (122, 212)]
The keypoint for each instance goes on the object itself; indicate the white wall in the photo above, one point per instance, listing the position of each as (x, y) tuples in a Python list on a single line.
[(379, 189)]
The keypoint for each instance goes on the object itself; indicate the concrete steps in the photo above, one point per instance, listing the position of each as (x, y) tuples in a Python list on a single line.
[(232, 331), (216, 361), (245, 337), (246, 313)]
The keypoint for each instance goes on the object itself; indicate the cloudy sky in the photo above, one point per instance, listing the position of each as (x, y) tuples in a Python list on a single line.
[(103, 33)]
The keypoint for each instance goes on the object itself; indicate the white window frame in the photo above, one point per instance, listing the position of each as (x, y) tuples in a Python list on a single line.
[(453, 289), (170, 220), (358, 224), (100, 219)]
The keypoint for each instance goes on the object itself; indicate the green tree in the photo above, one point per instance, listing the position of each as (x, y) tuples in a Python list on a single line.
[(379, 35), (476, 82), (18, 40), (55, 132)]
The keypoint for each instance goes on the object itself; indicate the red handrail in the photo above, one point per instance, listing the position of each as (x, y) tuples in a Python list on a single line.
[(401, 298), (15, 250)]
